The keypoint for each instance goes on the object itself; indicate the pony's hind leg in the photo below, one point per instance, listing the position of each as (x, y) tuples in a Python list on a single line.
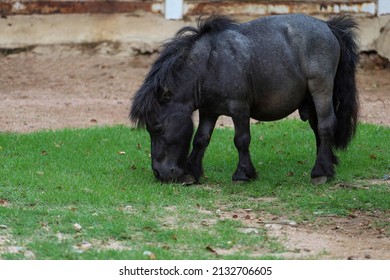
[(308, 112), (323, 125)]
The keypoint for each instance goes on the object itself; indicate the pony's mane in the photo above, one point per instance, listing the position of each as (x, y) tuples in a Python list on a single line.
[(164, 69)]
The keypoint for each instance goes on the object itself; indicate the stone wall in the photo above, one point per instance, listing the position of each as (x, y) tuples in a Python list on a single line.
[(189, 7), (141, 23)]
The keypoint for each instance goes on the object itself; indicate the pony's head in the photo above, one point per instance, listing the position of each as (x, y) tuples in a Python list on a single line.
[(170, 127)]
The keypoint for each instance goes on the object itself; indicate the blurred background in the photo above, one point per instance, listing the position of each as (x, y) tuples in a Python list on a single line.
[(76, 63)]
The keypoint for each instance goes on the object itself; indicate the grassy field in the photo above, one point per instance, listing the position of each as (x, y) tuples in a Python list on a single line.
[(90, 193)]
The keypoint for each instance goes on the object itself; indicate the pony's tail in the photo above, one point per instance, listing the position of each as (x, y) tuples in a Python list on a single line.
[(345, 95)]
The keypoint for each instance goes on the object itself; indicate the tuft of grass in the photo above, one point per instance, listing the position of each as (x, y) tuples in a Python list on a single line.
[(100, 179)]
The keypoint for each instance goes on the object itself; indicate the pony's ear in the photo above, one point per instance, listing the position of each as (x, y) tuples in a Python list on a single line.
[(165, 95)]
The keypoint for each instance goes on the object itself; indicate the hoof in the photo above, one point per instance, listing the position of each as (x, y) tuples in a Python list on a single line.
[(319, 180), (240, 180), (241, 176)]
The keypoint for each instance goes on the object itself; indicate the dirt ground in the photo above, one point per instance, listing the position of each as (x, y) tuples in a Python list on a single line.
[(46, 91), (52, 91)]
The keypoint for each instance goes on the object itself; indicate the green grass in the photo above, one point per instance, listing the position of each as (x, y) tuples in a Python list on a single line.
[(100, 178)]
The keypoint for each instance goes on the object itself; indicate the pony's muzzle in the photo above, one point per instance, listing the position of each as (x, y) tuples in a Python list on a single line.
[(167, 173)]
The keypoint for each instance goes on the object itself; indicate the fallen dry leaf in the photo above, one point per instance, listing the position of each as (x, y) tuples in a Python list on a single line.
[(58, 145), (3, 202)]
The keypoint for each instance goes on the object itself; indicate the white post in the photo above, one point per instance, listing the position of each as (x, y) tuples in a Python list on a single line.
[(383, 7), (173, 9)]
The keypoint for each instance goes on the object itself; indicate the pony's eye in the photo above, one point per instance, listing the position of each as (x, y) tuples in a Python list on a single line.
[(158, 130)]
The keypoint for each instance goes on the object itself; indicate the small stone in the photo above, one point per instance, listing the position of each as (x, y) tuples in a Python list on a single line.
[(274, 226), (29, 255), (85, 245), (128, 208), (151, 255), (77, 227), (60, 236)]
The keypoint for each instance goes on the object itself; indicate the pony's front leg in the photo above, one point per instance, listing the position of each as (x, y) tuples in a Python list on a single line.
[(242, 138), (200, 143)]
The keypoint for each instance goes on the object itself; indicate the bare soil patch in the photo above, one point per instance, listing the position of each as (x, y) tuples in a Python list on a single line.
[(53, 91), (42, 92), (360, 235)]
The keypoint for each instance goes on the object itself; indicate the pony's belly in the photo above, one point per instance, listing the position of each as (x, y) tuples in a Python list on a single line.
[(276, 108), (270, 116)]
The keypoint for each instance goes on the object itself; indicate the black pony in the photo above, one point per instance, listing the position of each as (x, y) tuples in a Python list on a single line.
[(263, 69)]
